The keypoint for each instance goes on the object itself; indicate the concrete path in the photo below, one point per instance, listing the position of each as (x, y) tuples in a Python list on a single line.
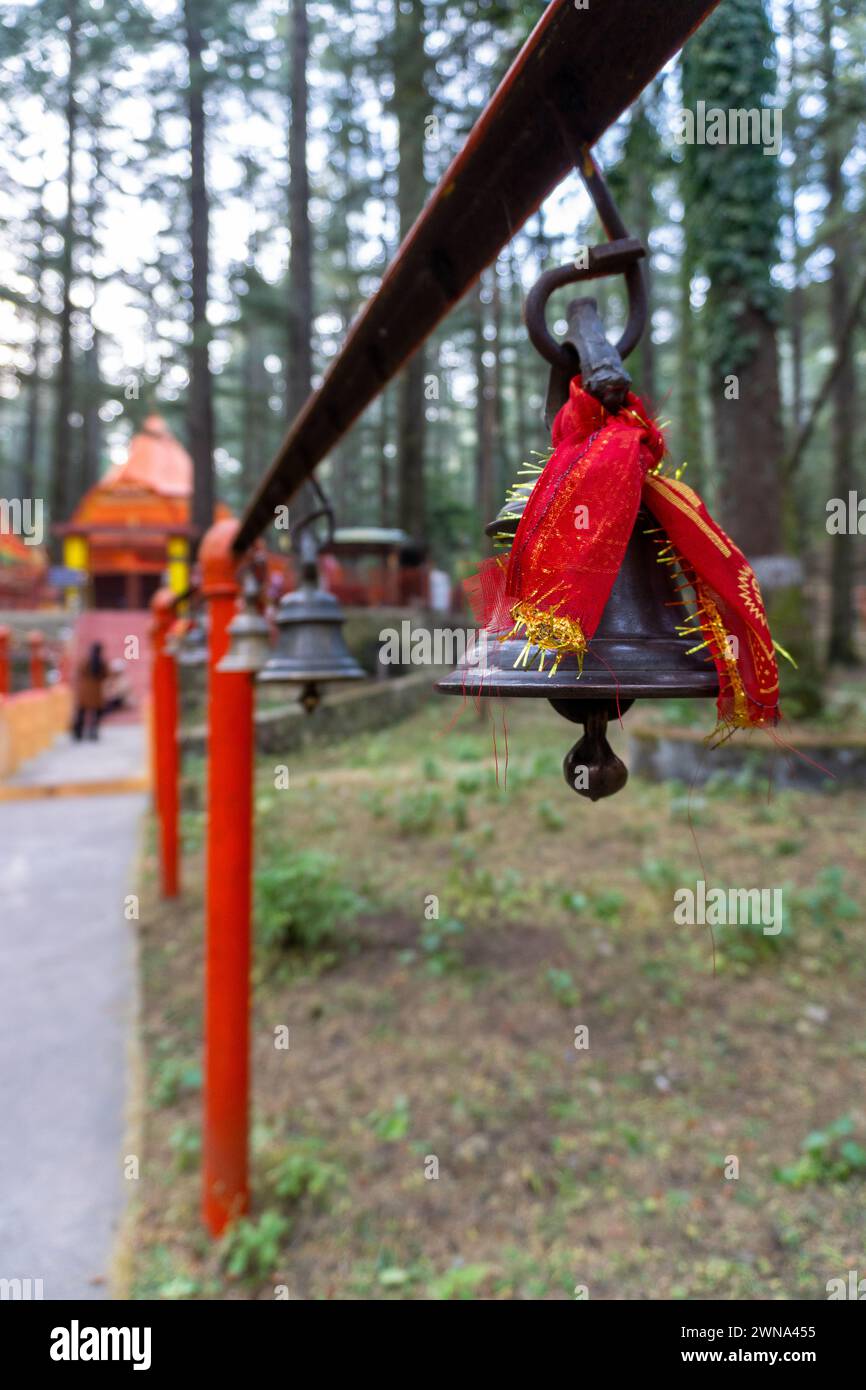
[(118, 755), (66, 1004)]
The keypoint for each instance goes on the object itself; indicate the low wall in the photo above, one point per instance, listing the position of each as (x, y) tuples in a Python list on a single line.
[(665, 754), (361, 630), (343, 713), (30, 722)]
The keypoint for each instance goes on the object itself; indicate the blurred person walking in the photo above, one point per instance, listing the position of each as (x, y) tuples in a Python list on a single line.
[(89, 693)]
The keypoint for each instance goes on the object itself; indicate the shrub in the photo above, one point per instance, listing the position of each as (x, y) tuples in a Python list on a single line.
[(563, 988), (301, 900), (461, 1283), (252, 1248), (660, 874), (575, 902), (608, 905), (417, 811), (828, 1155), (827, 904), (173, 1077), (746, 944), (550, 816), (391, 1125), (441, 944), (374, 801), (301, 1172), (185, 1141)]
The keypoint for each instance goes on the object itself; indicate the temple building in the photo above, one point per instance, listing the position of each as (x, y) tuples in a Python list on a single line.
[(133, 527), (23, 573)]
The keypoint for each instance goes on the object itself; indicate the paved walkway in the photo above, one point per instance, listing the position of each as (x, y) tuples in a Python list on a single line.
[(115, 762), (66, 1002)]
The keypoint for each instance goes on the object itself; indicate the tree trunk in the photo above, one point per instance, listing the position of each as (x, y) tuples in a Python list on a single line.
[(641, 200), (749, 443), (299, 367), (27, 485), (519, 375), (734, 192), (61, 462), (795, 298), (484, 415), (299, 358), (255, 392), (840, 650), (501, 459), (200, 424), (91, 433), (411, 433), (385, 514), (411, 105), (689, 432)]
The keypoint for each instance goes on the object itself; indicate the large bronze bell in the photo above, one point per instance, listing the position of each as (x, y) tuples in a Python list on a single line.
[(636, 652)]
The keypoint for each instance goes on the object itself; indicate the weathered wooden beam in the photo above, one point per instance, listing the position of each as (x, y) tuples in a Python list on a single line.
[(579, 70)]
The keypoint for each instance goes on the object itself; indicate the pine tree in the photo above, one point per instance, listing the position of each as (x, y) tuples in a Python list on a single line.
[(734, 198), (733, 193)]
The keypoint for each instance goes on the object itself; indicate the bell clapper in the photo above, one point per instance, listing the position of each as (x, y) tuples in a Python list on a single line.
[(591, 768), (310, 698)]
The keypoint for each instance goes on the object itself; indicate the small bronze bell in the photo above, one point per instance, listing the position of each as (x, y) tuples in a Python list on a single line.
[(192, 646), (249, 634), (311, 650)]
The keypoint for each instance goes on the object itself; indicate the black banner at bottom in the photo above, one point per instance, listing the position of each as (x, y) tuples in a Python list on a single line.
[(142, 1339)]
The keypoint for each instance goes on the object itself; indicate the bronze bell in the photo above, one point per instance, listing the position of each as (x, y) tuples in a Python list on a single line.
[(311, 650), (192, 646), (636, 653), (249, 633)]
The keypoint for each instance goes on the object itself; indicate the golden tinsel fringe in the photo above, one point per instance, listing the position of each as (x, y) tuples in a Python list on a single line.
[(547, 632)]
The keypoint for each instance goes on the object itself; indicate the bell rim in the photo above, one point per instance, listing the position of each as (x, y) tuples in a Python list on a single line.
[(309, 677), (227, 667), (630, 687)]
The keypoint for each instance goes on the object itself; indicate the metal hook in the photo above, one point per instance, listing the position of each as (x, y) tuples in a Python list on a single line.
[(619, 256), (307, 544)]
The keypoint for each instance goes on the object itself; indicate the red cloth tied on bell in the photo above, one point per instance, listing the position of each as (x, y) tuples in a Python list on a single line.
[(572, 538)]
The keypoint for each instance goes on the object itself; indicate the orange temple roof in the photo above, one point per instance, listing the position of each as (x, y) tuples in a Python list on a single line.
[(156, 460), (151, 490)]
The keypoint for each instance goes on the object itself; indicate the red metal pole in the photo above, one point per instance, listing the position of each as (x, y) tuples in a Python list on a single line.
[(37, 660), (164, 744), (5, 682), (229, 870)]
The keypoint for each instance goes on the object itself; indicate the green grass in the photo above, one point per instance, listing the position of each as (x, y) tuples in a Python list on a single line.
[(453, 1037)]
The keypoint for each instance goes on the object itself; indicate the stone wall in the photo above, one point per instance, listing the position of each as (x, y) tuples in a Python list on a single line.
[(683, 754), (343, 713)]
